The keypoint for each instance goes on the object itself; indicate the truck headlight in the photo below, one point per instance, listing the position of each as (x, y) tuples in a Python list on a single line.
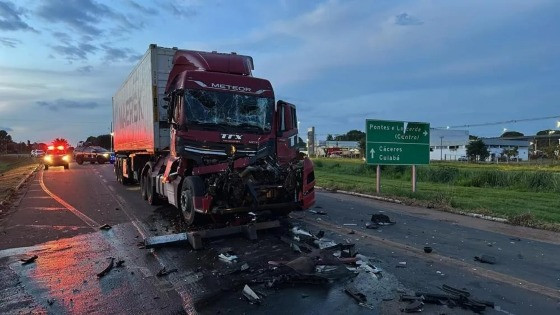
[(106, 155), (48, 158), (66, 158)]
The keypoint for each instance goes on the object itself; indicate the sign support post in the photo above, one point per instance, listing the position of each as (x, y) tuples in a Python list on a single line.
[(397, 143), (378, 179)]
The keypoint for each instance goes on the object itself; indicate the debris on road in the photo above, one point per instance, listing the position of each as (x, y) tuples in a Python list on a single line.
[(165, 272), (352, 232), (119, 263), (401, 264), (381, 219), (427, 249), (358, 296), (164, 240), (416, 306), (485, 259), (25, 261), (350, 224), (251, 295), (319, 212), (453, 297), (228, 257), (107, 269), (370, 225), (105, 227)]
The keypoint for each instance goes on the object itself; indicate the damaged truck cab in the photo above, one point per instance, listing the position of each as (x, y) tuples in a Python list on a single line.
[(220, 143)]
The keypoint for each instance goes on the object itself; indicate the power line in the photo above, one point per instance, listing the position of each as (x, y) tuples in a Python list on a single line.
[(513, 121)]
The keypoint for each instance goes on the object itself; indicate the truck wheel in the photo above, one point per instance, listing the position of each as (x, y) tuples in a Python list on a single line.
[(66, 166), (192, 186), (144, 186), (79, 160), (100, 160), (46, 167)]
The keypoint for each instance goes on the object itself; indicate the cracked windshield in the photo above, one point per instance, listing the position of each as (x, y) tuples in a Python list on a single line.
[(279, 157)]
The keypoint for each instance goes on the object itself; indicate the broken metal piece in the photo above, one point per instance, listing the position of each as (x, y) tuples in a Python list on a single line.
[(25, 261), (105, 227), (251, 295), (162, 240), (107, 269), (414, 307), (165, 272), (486, 259)]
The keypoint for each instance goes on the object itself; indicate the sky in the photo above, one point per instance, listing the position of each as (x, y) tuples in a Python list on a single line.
[(449, 63)]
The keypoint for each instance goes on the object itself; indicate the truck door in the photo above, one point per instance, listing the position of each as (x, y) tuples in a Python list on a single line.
[(287, 143)]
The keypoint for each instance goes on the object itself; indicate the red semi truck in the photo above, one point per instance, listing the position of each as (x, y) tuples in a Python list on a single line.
[(197, 130)]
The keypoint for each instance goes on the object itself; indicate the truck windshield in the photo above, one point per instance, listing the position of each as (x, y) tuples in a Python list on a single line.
[(212, 109)]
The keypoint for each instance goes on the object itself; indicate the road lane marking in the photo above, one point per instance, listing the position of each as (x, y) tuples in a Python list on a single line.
[(45, 208), (412, 251), (39, 197), (87, 220)]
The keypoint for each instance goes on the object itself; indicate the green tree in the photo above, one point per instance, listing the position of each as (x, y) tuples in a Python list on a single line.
[(330, 137), (509, 153), (477, 150), (352, 135), (511, 134), (473, 137)]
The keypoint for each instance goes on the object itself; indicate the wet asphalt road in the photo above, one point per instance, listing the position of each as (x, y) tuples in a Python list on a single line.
[(59, 214)]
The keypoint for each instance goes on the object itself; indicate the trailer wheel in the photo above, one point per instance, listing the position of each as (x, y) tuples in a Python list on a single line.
[(192, 186)]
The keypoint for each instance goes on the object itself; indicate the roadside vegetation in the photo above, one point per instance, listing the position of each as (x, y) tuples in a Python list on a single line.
[(13, 168), (525, 194)]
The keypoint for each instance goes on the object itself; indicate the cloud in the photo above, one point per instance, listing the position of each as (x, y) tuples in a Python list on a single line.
[(75, 52), (142, 9), (406, 19), (113, 54), (67, 104), (85, 69), (10, 18), (182, 10), (9, 42), (84, 16)]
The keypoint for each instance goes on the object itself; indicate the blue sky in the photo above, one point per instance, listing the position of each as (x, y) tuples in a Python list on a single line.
[(449, 63)]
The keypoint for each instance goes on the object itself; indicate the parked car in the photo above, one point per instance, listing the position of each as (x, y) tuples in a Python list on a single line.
[(37, 153), (463, 159), (91, 154)]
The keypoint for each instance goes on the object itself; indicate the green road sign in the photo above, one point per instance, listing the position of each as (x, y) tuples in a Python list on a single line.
[(397, 142)]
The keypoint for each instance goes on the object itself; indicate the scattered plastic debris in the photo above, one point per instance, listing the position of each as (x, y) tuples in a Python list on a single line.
[(25, 261), (107, 269)]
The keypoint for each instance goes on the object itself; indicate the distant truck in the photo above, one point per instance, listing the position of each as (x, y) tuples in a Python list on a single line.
[(197, 130)]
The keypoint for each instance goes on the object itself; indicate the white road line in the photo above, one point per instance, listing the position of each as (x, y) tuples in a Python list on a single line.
[(87, 220)]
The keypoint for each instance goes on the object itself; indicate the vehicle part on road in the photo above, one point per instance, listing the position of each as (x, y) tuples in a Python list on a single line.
[(164, 272), (455, 297), (107, 269), (381, 219), (105, 227), (320, 212), (25, 261), (486, 259), (358, 296), (414, 307), (401, 264), (427, 249), (251, 295), (195, 238)]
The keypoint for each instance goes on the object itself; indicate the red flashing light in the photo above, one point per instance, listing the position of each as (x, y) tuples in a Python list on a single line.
[(60, 147), (51, 147)]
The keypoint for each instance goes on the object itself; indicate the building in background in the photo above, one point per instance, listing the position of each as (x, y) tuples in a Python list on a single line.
[(448, 145), (498, 146)]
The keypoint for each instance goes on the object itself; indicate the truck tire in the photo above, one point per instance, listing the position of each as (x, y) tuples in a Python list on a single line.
[(144, 185), (100, 160), (192, 186), (79, 160), (66, 166), (46, 167)]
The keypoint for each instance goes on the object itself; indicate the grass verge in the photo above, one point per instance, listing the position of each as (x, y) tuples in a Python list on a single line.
[(13, 169), (519, 203)]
